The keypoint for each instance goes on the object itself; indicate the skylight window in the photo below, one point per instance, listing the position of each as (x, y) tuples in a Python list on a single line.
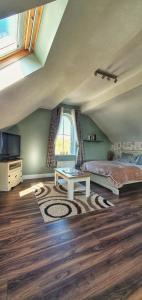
[(19, 33), (35, 31), (8, 35)]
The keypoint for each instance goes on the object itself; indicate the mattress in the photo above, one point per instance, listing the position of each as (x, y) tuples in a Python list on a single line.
[(120, 173)]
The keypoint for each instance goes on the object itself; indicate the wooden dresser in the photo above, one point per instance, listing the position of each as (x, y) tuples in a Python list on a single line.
[(10, 174)]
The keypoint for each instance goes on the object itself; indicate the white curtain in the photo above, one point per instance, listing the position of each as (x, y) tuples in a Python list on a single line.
[(75, 132)]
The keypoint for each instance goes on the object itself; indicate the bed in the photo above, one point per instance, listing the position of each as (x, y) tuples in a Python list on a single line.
[(115, 174)]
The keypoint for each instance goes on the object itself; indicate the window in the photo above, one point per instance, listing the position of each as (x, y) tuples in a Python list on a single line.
[(65, 141), (8, 35), (19, 32)]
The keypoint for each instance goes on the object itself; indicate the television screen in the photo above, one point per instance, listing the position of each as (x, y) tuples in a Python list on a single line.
[(9, 145)]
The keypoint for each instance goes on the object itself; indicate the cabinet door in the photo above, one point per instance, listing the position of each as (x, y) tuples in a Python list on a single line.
[(14, 177)]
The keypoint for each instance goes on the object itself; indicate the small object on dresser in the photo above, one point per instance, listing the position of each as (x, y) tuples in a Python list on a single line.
[(89, 137), (94, 137)]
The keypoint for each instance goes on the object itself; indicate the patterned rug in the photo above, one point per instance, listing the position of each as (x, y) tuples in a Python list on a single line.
[(54, 204)]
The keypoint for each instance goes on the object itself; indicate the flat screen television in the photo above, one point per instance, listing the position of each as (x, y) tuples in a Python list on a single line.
[(9, 146)]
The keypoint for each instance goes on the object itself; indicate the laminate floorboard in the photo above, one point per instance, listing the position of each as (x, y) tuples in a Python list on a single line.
[(95, 256)]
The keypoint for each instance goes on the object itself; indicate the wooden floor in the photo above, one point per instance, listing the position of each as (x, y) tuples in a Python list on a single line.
[(94, 256)]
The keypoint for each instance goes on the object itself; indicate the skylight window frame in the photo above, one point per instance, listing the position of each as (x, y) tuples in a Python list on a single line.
[(27, 36)]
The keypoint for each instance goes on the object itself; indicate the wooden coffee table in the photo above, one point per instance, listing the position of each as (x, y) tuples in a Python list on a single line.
[(70, 178)]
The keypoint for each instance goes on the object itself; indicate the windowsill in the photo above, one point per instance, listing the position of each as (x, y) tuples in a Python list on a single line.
[(14, 57), (65, 157), (18, 70)]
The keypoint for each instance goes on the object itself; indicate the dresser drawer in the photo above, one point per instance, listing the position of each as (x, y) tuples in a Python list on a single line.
[(16, 174), (10, 174), (13, 182), (14, 178)]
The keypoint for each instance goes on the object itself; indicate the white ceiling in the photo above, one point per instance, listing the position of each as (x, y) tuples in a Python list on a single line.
[(93, 34)]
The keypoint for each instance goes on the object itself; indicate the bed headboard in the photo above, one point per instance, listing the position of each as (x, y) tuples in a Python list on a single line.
[(134, 152), (134, 148)]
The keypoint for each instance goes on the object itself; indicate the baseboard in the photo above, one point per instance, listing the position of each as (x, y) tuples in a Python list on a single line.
[(36, 176)]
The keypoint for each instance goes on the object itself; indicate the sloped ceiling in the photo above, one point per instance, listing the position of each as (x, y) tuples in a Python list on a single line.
[(121, 118), (8, 7), (93, 34)]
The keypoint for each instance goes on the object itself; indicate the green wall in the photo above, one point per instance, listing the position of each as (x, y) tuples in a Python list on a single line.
[(93, 150), (34, 136)]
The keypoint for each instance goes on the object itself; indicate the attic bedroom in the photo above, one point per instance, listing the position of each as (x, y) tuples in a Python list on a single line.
[(70, 149)]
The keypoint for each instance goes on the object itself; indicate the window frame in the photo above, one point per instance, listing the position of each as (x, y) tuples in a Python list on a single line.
[(30, 30), (72, 137)]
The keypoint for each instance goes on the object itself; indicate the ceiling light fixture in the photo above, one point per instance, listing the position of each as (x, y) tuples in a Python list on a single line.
[(106, 74)]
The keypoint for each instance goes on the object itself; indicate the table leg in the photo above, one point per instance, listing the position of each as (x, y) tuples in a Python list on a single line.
[(87, 187), (70, 190), (56, 179)]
